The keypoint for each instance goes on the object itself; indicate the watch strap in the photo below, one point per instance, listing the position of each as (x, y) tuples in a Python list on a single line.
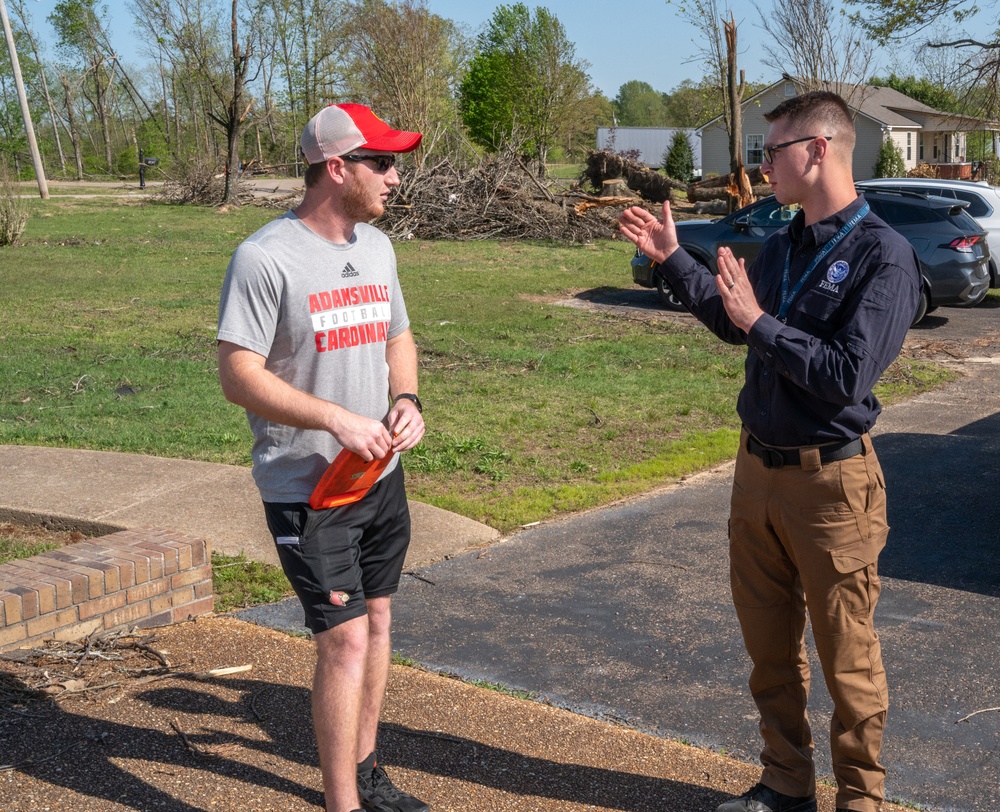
[(412, 397)]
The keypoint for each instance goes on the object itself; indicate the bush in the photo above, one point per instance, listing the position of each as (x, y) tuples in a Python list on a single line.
[(194, 180), (922, 170), (13, 211), (678, 162), (890, 162), (989, 169)]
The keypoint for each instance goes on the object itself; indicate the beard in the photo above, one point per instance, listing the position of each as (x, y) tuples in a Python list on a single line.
[(361, 204)]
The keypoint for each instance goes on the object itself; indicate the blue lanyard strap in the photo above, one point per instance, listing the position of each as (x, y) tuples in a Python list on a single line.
[(787, 297)]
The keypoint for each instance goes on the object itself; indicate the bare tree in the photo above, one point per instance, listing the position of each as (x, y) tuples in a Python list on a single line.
[(219, 49), (719, 52), (814, 42), (740, 191), (24, 18), (73, 132), (406, 63)]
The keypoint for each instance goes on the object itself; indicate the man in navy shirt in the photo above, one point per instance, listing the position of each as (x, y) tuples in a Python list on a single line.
[(823, 311)]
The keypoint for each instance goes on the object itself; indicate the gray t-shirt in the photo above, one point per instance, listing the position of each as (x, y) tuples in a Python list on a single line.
[(320, 313)]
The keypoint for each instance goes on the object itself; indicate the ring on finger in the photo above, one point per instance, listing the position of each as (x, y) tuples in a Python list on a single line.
[(731, 285)]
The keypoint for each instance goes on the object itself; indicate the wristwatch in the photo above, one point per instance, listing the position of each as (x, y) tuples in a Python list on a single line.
[(411, 396)]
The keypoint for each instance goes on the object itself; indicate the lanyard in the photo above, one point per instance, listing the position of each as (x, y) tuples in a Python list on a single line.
[(787, 297)]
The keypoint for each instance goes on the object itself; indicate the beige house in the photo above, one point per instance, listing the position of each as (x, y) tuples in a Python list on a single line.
[(923, 134)]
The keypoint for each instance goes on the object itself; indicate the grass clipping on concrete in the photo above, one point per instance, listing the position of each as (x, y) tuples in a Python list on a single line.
[(536, 406)]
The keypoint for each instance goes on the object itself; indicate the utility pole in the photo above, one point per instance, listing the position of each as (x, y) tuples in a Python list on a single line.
[(36, 158)]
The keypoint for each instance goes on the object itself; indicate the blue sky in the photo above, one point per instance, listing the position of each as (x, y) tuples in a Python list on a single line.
[(635, 39), (659, 50)]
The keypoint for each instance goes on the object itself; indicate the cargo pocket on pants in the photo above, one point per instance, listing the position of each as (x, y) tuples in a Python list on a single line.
[(859, 584)]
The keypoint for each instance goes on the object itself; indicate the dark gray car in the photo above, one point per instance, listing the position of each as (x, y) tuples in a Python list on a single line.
[(951, 245)]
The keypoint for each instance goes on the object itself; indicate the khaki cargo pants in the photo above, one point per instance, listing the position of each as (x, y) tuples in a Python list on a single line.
[(808, 537)]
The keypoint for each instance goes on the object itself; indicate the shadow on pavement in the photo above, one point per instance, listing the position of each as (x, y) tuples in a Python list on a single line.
[(470, 761), (943, 507)]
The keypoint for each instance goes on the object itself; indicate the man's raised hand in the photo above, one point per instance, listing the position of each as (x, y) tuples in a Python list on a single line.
[(657, 239)]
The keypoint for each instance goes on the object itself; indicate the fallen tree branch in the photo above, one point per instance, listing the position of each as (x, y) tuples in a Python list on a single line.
[(976, 713)]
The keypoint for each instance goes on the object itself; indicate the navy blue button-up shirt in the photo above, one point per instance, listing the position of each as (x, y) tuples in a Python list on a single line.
[(809, 379)]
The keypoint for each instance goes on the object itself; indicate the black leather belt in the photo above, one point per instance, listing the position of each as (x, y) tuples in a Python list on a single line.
[(780, 457)]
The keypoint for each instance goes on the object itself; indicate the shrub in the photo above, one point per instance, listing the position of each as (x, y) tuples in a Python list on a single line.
[(890, 162), (989, 169), (922, 170), (194, 180), (678, 162), (13, 211)]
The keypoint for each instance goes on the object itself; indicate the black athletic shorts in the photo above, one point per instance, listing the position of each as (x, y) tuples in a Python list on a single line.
[(337, 557)]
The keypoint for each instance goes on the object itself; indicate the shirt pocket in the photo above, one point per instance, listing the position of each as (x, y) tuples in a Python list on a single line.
[(820, 310)]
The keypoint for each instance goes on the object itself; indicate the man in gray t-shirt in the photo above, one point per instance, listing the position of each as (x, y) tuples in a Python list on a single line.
[(315, 343)]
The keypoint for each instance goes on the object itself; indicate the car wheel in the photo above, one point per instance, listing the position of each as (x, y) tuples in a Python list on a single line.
[(667, 296), (923, 307)]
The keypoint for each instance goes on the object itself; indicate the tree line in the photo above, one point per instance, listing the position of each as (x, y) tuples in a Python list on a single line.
[(225, 84), (230, 83)]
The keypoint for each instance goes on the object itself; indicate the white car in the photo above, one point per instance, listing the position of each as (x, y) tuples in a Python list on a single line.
[(983, 200)]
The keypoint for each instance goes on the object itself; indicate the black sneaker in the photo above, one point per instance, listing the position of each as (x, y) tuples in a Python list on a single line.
[(765, 799), (378, 794)]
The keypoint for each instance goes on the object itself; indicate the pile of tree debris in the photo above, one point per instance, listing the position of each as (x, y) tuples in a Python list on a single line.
[(724, 187), (497, 198), (604, 168)]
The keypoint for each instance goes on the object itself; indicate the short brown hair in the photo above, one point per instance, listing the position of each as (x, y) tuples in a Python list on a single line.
[(822, 111), (314, 173)]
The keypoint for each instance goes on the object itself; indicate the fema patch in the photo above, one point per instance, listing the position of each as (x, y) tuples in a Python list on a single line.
[(838, 272)]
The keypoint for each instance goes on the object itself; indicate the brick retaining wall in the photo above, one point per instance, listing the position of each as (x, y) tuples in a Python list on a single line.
[(142, 577)]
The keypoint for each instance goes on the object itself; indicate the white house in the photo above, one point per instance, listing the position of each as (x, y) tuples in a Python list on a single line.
[(651, 142), (923, 134)]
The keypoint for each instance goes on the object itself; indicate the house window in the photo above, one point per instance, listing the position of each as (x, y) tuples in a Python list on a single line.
[(920, 149), (789, 89), (935, 154), (909, 146), (754, 155)]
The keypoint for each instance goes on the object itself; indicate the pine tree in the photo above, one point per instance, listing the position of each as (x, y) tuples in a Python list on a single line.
[(679, 159)]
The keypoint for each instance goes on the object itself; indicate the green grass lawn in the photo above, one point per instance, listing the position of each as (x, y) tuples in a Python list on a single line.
[(533, 409)]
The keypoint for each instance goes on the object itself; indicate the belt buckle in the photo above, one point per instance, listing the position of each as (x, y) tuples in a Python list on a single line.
[(772, 458)]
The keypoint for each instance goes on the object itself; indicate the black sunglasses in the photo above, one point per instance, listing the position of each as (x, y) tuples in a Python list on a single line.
[(383, 163), (769, 150)]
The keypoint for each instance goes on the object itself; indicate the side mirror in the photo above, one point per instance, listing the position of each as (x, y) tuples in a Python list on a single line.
[(742, 223)]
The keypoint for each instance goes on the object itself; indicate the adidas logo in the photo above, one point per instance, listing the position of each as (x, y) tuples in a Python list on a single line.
[(348, 271)]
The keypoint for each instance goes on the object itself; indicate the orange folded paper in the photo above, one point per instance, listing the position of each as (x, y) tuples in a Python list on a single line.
[(346, 480)]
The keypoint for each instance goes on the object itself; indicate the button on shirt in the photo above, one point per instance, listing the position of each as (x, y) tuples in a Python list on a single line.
[(809, 379)]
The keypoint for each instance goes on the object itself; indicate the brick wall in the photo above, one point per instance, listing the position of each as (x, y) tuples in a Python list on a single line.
[(142, 577)]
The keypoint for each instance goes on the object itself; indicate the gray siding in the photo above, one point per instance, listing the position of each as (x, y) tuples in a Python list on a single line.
[(715, 142), (652, 143), (715, 150), (869, 139)]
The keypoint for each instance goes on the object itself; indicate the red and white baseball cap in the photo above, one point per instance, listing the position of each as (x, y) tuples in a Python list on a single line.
[(341, 128)]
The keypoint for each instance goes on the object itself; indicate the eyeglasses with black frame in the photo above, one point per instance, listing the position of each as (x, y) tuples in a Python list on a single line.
[(770, 150), (383, 163)]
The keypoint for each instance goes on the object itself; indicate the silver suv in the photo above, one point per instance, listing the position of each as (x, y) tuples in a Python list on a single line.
[(983, 200)]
